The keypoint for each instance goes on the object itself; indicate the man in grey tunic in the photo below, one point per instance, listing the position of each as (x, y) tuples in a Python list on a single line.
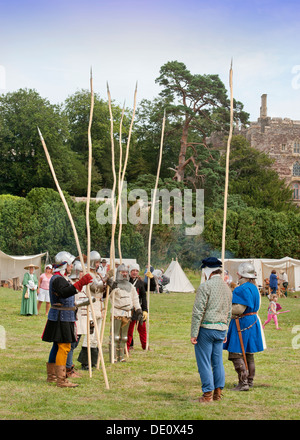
[(210, 320)]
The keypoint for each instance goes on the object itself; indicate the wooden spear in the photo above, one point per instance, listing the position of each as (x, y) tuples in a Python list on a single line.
[(88, 198), (112, 244), (120, 185), (227, 170), (76, 240), (151, 224), (121, 179)]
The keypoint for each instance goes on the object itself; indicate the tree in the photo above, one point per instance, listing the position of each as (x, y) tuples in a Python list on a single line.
[(254, 233), (201, 102), (148, 130), (17, 225), (254, 180), (22, 158), (77, 110)]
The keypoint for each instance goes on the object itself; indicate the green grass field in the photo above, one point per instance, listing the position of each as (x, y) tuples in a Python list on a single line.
[(160, 384)]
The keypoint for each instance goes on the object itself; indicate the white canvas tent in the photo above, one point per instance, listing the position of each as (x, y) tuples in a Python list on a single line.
[(12, 266), (179, 282), (264, 266), (126, 261)]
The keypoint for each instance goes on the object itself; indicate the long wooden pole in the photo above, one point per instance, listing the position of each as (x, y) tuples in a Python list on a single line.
[(112, 244), (88, 229), (76, 240), (121, 179), (121, 182), (120, 188), (151, 225), (227, 170), (88, 198), (119, 185)]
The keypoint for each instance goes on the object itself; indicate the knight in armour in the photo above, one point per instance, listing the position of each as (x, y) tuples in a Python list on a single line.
[(125, 300)]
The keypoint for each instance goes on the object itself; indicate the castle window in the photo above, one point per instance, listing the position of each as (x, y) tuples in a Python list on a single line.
[(296, 169), (297, 147), (283, 147), (296, 193)]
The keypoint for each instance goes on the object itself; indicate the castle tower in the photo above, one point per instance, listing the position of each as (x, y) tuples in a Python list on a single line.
[(263, 108)]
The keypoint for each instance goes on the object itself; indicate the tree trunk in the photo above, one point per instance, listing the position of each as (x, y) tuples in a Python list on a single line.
[(180, 169)]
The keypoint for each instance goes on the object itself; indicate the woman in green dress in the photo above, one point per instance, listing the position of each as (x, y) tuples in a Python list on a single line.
[(29, 296)]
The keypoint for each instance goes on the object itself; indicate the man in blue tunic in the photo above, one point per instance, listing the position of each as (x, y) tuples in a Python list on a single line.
[(245, 334)]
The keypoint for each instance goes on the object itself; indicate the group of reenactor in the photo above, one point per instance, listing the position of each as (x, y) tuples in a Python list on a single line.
[(67, 319)]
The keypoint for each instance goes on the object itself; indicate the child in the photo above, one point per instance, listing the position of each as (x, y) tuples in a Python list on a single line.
[(272, 311)]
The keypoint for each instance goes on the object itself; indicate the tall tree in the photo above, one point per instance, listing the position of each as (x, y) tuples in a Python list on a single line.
[(201, 102), (77, 110), (23, 163), (148, 132), (254, 180), (255, 233)]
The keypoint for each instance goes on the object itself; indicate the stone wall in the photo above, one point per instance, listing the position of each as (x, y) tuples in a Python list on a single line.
[(277, 138)]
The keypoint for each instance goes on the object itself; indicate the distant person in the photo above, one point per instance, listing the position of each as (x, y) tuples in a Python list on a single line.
[(136, 281), (227, 277), (29, 294), (284, 280), (43, 288), (165, 280), (158, 274), (272, 311), (103, 268), (149, 274), (273, 282)]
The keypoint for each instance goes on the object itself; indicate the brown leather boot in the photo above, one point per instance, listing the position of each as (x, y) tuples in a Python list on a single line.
[(240, 368), (51, 376), (62, 380), (206, 397), (71, 372), (251, 366), (217, 394)]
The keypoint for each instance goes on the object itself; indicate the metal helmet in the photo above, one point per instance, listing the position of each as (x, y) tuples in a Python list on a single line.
[(94, 257), (71, 258), (247, 270), (77, 267), (122, 268), (64, 257)]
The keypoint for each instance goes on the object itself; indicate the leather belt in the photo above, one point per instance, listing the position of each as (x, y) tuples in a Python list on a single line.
[(237, 322), (58, 307), (248, 314)]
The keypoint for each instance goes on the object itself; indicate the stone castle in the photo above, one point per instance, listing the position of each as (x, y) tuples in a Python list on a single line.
[(280, 139)]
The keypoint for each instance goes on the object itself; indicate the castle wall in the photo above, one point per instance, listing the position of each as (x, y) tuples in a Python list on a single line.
[(277, 137)]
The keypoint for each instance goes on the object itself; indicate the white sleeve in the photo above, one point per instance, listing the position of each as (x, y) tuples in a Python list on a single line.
[(135, 298)]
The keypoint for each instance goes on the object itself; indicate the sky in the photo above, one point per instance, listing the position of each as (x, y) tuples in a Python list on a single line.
[(50, 46)]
